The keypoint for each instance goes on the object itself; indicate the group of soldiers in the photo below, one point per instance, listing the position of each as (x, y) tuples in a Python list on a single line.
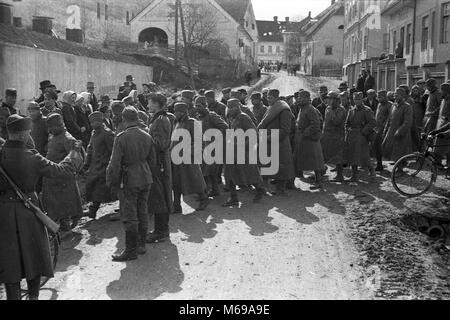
[(129, 143)]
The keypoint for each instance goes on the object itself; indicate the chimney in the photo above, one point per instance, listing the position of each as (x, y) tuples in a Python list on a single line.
[(287, 19), (42, 25), (275, 18), (5, 13), (309, 15)]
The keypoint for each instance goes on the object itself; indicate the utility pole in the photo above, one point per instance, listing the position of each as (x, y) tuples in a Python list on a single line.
[(176, 32), (186, 55)]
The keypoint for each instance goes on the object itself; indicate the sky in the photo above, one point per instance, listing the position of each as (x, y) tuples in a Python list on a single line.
[(295, 9)]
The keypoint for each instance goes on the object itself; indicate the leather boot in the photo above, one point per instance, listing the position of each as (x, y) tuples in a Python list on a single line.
[(13, 291), (33, 288), (260, 192), (233, 201), (141, 250), (204, 202), (129, 254), (156, 237)]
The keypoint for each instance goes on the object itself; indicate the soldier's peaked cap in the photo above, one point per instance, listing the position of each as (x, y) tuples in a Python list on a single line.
[(180, 107), (200, 100), (333, 95), (188, 94), (159, 98), (96, 116), (358, 95), (210, 94), (16, 123), (226, 90), (274, 93), (445, 87), (256, 95), (304, 94), (235, 94), (33, 106), (431, 82), (55, 118), (117, 107), (130, 114), (233, 103)]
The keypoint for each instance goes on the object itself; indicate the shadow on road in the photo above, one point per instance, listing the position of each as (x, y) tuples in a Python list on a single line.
[(150, 276)]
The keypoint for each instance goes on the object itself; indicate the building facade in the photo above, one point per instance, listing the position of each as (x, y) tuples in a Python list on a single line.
[(322, 49), (271, 47), (99, 22), (228, 23)]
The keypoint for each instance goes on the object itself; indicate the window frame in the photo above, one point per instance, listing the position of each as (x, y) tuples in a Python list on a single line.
[(328, 50), (445, 17), (425, 35)]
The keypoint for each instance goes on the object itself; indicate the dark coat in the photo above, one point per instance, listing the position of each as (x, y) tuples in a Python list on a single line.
[(212, 121), (444, 120), (308, 150), (12, 110), (360, 84), (279, 117), (70, 120), (398, 141), (320, 105), (61, 197), (432, 111), (188, 178), (160, 199), (360, 123), (98, 155), (218, 108), (369, 83), (40, 135), (46, 112), (372, 105), (334, 135), (24, 247), (93, 101), (418, 111), (259, 111), (82, 119), (131, 160), (242, 174), (249, 112)]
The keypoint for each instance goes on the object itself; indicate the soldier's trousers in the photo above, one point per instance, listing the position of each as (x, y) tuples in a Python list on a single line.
[(134, 210)]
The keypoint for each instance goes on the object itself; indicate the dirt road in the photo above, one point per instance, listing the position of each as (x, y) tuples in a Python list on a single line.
[(346, 242)]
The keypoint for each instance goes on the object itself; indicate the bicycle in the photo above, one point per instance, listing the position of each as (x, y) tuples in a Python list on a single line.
[(54, 242), (415, 174)]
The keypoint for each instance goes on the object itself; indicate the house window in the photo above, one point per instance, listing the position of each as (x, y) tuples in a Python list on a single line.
[(425, 33), (98, 10), (328, 51), (433, 29), (366, 39), (408, 38), (106, 12), (446, 22), (402, 36), (253, 26), (278, 49), (17, 22), (246, 23), (386, 41), (128, 18), (261, 49), (270, 49), (394, 40)]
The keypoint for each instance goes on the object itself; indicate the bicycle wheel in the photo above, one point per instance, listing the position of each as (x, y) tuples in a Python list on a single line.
[(413, 175)]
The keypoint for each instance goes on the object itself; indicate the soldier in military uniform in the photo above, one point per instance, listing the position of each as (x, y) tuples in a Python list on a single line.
[(238, 95), (24, 247), (320, 103), (98, 155), (160, 199), (187, 96), (61, 197), (215, 106), (39, 131), (129, 170), (4, 115), (210, 120), (382, 117), (50, 104), (187, 177), (433, 106), (259, 109), (226, 95), (92, 100), (241, 174), (10, 100)]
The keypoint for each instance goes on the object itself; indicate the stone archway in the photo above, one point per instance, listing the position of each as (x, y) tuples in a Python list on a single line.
[(155, 37)]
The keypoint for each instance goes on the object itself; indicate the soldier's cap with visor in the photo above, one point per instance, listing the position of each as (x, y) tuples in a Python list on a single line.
[(210, 94), (200, 100), (358, 95), (55, 119), (188, 94), (11, 92), (117, 107), (96, 117), (159, 98), (274, 93), (130, 114), (401, 90), (105, 99), (304, 94), (181, 107), (17, 123), (256, 95), (445, 87), (243, 91), (32, 105), (420, 82), (234, 103), (431, 82), (235, 94), (333, 95), (371, 91), (323, 89), (343, 85), (226, 90), (382, 93)]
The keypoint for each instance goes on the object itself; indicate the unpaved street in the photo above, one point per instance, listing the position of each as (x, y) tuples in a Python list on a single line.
[(347, 242)]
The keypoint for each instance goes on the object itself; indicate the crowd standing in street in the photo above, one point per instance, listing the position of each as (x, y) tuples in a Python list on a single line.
[(129, 142)]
